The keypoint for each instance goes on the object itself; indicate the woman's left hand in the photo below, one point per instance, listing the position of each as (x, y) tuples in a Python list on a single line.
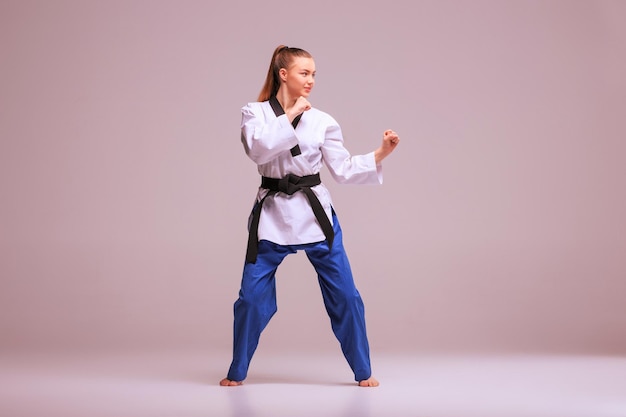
[(390, 141)]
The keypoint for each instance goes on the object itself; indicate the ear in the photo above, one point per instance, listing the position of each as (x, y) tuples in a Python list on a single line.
[(283, 74)]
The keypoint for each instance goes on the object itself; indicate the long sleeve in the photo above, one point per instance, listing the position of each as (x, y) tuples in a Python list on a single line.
[(346, 168), (265, 138)]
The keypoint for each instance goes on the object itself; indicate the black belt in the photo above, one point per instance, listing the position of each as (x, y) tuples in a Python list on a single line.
[(289, 185)]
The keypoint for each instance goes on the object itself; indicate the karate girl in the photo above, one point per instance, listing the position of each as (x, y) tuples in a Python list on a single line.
[(290, 140)]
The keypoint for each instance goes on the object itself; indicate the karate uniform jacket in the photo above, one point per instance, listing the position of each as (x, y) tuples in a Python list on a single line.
[(267, 140)]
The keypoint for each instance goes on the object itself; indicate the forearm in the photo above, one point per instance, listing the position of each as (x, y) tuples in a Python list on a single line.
[(380, 154)]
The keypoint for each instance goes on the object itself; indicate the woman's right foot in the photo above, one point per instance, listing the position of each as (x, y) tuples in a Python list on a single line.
[(228, 383)]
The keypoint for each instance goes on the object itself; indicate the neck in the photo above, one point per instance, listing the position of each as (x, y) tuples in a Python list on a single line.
[(285, 99)]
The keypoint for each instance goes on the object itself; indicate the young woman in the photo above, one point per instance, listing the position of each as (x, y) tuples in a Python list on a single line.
[(289, 140)]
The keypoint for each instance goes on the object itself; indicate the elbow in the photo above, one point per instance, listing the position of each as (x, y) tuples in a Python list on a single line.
[(256, 151), (341, 177), (260, 155)]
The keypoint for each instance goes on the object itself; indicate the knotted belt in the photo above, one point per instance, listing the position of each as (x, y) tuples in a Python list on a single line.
[(289, 185)]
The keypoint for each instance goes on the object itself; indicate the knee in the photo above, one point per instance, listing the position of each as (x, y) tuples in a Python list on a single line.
[(349, 300), (355, 299), (255, 305)]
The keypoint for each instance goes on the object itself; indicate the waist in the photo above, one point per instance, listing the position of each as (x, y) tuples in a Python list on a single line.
[(290, 183)]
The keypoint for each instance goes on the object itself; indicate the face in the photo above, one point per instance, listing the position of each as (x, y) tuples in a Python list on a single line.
[(300, 77)]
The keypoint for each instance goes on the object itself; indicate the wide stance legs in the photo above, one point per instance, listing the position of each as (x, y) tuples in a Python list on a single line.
[(257, 304)]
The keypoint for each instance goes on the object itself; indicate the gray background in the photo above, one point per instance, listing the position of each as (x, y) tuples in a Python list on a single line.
[(125, 189)]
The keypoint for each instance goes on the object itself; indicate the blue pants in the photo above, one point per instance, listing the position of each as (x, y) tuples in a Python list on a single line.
[(257, 302)]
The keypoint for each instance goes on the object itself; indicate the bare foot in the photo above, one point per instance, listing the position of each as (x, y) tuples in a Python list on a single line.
[(228, 383), (369, 382)]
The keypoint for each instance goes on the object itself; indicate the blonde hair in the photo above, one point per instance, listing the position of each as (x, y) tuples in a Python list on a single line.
[(281, 58)]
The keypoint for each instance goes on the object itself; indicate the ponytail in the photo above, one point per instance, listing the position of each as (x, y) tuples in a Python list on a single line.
[(281, 58)]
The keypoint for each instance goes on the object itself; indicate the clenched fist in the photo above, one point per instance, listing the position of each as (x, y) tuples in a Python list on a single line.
[(301, 105), (390, 141)]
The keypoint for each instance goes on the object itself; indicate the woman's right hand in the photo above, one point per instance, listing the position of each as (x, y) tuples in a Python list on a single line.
[(301, 105)]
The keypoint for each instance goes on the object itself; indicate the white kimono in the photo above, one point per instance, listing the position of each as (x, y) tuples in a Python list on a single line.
[(267, 139)]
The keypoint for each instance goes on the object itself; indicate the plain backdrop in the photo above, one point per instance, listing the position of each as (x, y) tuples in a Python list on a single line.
[(125, 189)]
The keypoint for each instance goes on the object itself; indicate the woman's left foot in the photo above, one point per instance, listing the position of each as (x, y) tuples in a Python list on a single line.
[(369, 382)]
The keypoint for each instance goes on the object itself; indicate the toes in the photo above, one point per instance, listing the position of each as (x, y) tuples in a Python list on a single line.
[(228, 383), (370, 382)]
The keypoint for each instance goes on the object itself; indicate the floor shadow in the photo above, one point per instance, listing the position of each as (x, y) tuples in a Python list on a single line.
[(259, 379)]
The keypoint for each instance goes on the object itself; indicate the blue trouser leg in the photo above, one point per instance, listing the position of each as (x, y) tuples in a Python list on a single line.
[(342, 301), (257, 302), (255, 306)]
